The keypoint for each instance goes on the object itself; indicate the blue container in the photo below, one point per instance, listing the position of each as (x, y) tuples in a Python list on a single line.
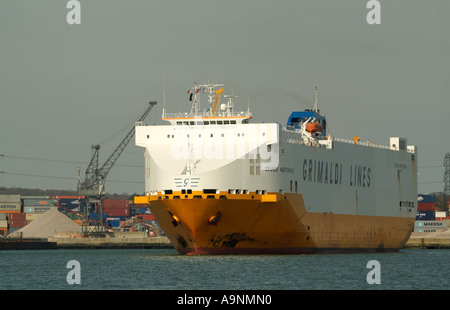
[(426, 216), (140, 210), (425, 198), (114, 223), (71, 203), (94, 216)]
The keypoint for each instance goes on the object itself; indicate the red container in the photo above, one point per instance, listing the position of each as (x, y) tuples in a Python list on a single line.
[(140, 205), (147, 217), (67, 197), (115, 211), (426, 206), (17, 223), (115, 203), (17, 216)]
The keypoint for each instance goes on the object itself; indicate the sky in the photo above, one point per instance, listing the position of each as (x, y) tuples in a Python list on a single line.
[(65, 87)]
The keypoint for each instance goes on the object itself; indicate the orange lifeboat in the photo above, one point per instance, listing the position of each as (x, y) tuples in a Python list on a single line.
[(313, 127)]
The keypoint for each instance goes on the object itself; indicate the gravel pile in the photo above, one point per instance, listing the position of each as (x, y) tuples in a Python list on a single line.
[(46, 225)]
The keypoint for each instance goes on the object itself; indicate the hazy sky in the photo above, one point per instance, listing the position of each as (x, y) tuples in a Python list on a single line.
[(65, 87)]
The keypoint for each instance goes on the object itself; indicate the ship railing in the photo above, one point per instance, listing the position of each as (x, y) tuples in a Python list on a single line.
[(365, 143), (291, 135), (206, 113)]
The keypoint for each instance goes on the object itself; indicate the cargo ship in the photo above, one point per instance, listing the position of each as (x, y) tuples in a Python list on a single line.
[(218, 183)]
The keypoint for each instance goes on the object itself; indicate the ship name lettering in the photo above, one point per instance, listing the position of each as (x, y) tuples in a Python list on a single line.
[(285, 169), (360, 176), (281, 169), (401, 166), (320, 171)]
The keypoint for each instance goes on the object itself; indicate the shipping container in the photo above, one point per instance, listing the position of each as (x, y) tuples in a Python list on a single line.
[(3, 231), (115, 203), (10, 198), (17, 223), (116, 211), (69, 210), (426, 206), (425, 230), (10, 211), (32, 216), (17, 216), (425, 215), (147, 217), (10, 206), (40, 209), (74, 216), (67, 197), (425, 198), (3, 223), (140, 210), (71, 203), (431, 224), (140, 205), (114, 223), (441, 214), (120, 218), (94, 215), (36, 197), (39, 202)]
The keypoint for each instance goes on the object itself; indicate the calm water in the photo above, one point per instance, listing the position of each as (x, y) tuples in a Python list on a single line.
[(166, 270)]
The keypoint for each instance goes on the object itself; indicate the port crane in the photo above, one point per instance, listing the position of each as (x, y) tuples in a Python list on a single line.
[(93, 187)]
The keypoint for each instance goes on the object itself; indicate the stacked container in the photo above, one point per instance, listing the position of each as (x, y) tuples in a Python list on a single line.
[(140, 209), (426, 203), (34, 206), (73, 203), (10, 206), (116, 208), (3, 224), (114, 221), (17, 220), (72, 206), (430, 226)]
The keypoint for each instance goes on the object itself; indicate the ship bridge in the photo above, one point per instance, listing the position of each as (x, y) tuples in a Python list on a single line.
[(214, 114)]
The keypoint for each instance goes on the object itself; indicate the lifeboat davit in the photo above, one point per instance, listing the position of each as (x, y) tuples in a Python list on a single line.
[(313, 127)]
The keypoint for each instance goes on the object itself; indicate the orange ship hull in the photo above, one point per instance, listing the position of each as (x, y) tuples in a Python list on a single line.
[(267, 224)]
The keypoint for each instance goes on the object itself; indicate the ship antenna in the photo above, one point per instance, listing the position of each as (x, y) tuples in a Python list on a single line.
[(164, 95), (315, 101)]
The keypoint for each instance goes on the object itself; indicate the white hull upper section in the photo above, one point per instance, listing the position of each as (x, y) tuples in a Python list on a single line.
[(333, 177)]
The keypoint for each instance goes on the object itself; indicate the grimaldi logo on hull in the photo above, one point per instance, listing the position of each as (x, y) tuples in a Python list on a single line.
[(258, 143), (328, 172)]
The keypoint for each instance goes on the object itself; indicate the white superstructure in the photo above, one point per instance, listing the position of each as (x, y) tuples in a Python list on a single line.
[(218, 149)]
